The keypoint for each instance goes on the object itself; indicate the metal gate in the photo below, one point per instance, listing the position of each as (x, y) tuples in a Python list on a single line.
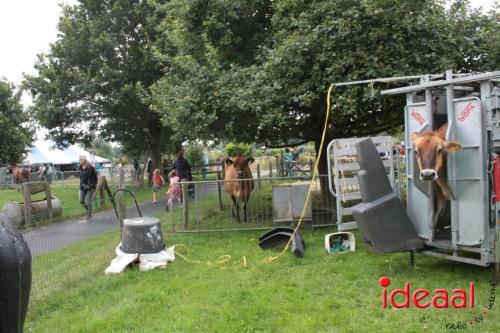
[(342, 173)]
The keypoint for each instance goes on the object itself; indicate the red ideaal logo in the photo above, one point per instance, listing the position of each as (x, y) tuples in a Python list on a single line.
[(439, 299)]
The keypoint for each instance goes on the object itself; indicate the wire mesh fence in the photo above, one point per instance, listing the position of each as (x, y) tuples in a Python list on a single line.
[(274, 201), (67, 249)]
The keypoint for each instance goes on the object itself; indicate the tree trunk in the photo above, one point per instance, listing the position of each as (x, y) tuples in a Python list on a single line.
[(156, 154), (143, 171)]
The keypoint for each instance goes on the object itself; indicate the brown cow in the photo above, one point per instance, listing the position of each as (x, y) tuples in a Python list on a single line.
[(431, 150), (237, 169), (19, 175)]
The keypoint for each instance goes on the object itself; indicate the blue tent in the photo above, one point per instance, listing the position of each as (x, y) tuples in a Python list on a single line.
[(35, 156)]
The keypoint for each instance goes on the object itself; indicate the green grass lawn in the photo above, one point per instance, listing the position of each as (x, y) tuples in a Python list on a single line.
[(319, 293)]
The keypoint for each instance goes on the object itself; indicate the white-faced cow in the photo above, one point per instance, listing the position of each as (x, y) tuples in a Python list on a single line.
[(431, 150), (238, 183)]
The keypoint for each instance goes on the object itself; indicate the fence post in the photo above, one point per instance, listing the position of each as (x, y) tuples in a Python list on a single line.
[(102, 199), (185, 199), (48, 197), (278, 169), (223, 169), (258, 176), (120, 208), (122, 178), (270, 173), (219, 191), (27, 204)]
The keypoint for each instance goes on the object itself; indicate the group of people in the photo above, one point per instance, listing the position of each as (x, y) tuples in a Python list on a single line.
[(181, 171), (290, 157)]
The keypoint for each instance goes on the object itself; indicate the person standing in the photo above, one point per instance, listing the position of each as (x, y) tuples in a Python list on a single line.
[(288, 162), (88, 182), (182, 166), (136, 171), (157, 183), (204, 166), (149, 169), (183, 170)]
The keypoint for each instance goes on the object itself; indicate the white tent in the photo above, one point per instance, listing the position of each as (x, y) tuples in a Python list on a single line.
[(44, 150)]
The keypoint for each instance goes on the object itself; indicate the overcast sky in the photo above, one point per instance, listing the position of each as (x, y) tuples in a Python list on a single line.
[(28, 26)]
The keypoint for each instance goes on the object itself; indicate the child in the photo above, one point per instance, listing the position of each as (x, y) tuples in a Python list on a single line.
[(174, 192), (157, 183)]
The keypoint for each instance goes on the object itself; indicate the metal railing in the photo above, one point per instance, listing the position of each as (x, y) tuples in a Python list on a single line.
[(209, 206)]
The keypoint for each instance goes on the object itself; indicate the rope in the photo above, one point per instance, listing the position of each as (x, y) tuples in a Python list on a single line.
[(309, 191), (223, 259)]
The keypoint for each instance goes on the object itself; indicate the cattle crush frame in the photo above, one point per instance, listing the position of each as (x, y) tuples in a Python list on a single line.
[(470, 103)]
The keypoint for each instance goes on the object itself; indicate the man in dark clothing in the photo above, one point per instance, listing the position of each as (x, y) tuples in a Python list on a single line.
[(150, 172), (136, 170), (182, 166), (183, 169), (88, 182)]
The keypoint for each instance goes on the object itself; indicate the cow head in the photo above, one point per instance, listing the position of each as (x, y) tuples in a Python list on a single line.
[(431, 149), (11, 167), (240, 164)]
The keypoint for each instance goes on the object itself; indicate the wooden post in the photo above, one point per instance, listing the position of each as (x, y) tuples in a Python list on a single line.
[(223, 168), (120, 208), (185, 199), (270, 173), (278, 169), (48, 197), (258, 177), (27, 204), (122, 178), (102, 199), (219, 191)]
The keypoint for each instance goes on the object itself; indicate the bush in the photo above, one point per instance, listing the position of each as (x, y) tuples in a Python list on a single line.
[(234, 149)]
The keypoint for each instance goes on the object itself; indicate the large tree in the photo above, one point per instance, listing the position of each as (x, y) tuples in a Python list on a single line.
[(16, 131), (212, 48), (95, 77), (267, 81)]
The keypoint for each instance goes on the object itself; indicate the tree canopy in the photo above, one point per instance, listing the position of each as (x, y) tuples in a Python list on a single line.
[(268, 82), (16, 132), (154, 73), (95, 77)]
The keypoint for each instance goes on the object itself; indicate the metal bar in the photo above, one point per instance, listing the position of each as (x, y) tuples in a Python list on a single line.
[(446, 245), (472, 261), (219, 191), (185, 199), (383, 80), (330, 183), (259, 185), (222, 230), (245, 179), (447, 82), (450, 134)]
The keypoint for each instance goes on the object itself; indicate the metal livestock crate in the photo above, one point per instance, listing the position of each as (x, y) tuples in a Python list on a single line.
[(471, 106)]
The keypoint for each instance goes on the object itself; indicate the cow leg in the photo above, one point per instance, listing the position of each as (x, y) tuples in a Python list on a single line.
[(233, 204), (245, 203), (235, 207), (439, 206)]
